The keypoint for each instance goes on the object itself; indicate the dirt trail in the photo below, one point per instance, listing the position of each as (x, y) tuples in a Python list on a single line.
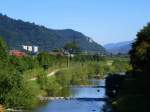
[(50, 74)]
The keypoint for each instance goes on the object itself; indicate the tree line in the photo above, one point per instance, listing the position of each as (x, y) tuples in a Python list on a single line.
[(130, 93)]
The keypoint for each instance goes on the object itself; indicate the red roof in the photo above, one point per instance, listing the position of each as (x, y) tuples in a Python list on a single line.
[(17, 53)]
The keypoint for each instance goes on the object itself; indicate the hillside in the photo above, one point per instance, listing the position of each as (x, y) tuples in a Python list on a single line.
[(18, 32), (120, 47)]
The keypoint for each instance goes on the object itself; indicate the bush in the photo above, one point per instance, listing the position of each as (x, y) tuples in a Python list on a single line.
[(132, 103)]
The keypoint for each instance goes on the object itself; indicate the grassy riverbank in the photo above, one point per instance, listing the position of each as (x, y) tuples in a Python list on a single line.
[(77, 74)]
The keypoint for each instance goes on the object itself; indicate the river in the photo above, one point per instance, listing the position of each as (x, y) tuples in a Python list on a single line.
[(85, 99)]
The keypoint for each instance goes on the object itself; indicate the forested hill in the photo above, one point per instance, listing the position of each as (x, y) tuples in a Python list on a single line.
[(18, 32)]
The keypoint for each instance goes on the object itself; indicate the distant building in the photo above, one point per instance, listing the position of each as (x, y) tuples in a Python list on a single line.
[(17, 53), (33, 49), (25, 47), (29, 48), (90, 40)]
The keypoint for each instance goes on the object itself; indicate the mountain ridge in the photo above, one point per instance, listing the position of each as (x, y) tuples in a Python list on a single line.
[(17, 33), (119, 47)]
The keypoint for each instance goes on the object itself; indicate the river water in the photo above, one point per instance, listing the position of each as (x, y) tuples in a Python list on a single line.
[(79, 105)]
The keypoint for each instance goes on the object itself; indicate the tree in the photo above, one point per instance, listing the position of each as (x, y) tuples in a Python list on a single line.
[(14, 89), (3, 50), (140, 52), (72, 48), (42, 79), (44, 59)]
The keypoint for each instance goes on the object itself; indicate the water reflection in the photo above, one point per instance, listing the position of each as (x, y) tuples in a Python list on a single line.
[(74, 105), (88, 92)]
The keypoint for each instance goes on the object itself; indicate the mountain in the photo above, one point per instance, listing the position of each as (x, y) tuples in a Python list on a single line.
[(18, 32), (120, 47)]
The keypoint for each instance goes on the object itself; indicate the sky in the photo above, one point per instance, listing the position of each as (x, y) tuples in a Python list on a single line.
[(105, 21)]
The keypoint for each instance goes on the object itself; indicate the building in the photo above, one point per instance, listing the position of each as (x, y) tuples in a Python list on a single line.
[(30, 48), (17, 53), (33, 49), (25, 47)]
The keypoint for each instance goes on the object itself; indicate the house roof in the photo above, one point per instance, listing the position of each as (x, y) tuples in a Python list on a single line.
[(17, 53)]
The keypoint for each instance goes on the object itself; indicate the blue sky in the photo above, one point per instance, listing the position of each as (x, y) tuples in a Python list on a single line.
[(106, 21)]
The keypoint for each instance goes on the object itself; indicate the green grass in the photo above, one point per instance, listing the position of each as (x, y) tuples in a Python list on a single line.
[(76, 73)]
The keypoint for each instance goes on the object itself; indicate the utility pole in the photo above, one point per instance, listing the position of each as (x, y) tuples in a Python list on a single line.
[(68, 59)]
